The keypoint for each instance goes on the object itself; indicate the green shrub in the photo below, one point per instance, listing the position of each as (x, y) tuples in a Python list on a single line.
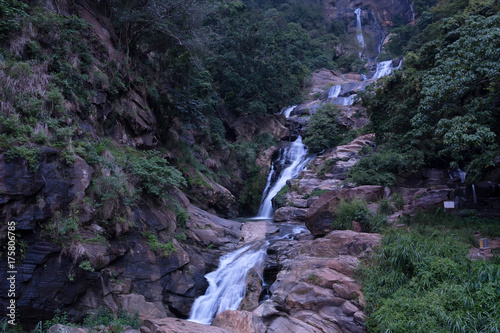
[(30, 154), (163, 249), (156, 175), (385, 207), (103, 316), (280, 199), (382, 168), (323, 130), (398, 200), (356, 210)]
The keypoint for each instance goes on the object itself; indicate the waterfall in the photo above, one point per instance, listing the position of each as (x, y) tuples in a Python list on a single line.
[(287, 111), (474, 193), (361, 40), (334, 91), (344, 100), (227, 285), (383, 68), (293, 161)]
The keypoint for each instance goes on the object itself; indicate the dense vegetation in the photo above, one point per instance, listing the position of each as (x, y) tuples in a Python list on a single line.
[(445, 107), (421, 280)]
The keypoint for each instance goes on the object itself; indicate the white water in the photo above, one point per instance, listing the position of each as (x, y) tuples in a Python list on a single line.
[(334, 91), (227, 285), (384, 68), (474, 193), (293, 160), (344, 100), (288, 110), (361, 39)]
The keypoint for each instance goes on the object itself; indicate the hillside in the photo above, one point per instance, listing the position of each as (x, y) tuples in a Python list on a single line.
[(133, 134)]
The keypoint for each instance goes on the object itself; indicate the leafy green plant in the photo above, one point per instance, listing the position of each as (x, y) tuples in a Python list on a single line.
[(356, 210), (385, 207), (156, 175), (163, 249), (323, 130), (398, 200), (31, 154), (86, 266)]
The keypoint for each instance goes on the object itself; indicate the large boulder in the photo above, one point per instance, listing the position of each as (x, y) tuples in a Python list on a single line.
[(171, 325), (239, 322)]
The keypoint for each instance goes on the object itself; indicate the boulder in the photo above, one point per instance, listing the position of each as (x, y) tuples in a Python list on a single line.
[(170, 325), (287, 213), (239, 322)]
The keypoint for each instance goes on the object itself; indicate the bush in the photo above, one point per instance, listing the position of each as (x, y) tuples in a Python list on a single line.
[(280, 199), (356, 210), (398, 200), (163, 249), (156, 175), (382, 168), (323, 130)]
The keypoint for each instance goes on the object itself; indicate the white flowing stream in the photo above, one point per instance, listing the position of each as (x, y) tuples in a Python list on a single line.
[(227, 285), (293, 159), (361, 39)]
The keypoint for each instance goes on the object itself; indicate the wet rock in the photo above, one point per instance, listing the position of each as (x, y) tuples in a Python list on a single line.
[(239, 322), (287, 214), (207, 228)]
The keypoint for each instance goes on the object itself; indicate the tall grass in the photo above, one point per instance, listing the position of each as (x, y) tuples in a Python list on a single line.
[(422, 281)]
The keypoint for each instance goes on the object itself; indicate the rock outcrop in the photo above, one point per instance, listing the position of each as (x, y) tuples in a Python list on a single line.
[(314, 290)]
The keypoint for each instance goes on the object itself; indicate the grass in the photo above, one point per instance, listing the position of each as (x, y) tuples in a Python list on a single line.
[(422, 281)]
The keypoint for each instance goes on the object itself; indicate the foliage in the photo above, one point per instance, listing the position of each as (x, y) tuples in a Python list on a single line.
[(356, 210), (11, 12), (103, 316), (382, 168), (280, 199), (30, 154), (63, 227), (323, 130), (398, 200), (163, 249), (156, 175), (445, 105), (421, 280), (59, 318)]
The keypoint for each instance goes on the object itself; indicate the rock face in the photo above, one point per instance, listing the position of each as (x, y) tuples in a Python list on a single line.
[(116, 272), (314, 290)]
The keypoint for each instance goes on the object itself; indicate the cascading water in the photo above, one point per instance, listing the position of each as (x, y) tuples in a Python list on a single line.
[(227, 285), (293, 160), (334, 91), (344, 100), (287, 111), (383, 68), (361, 39)]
